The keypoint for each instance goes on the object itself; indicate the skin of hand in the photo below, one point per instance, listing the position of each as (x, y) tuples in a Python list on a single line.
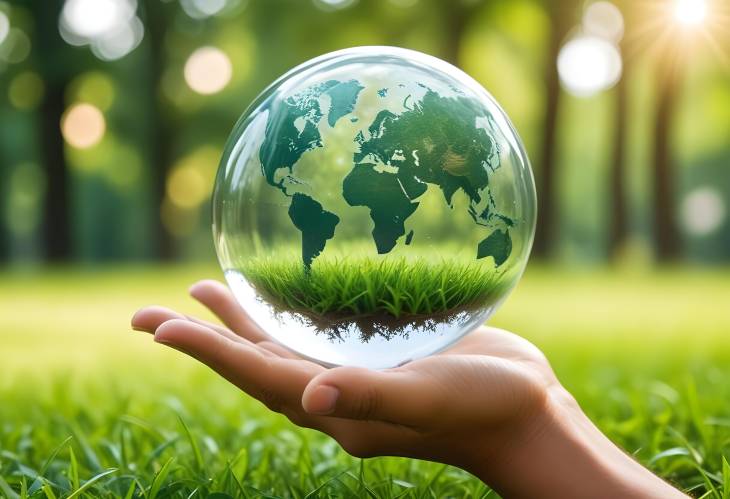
[(490, 404)]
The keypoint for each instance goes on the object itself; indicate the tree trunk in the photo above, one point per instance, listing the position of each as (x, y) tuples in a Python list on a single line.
[(455, 22), (161, 134), (50, 48), (546, 227), (4, 193), (666, 234), (618, 232)]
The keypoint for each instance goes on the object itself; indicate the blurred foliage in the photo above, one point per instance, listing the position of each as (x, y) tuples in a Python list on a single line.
[(150, 176)]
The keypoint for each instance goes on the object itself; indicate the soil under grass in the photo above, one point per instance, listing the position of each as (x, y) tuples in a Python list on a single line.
[(382, 296)]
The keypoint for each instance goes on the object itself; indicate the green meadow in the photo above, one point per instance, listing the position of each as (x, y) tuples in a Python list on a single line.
[(89, 408)]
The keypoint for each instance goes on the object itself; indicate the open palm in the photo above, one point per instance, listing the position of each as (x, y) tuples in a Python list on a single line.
[(432, 408)]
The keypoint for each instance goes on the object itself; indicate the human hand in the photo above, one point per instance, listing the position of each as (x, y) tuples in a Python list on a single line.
[(490, 404)]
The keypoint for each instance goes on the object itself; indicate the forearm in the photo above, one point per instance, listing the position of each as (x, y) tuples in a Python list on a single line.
[(562, 454)]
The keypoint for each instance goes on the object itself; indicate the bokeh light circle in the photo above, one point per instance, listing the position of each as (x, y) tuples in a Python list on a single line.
[(26, 90), (16, 47), (588, 65), (703, 211), (208, 70), (4, 26), (83, 125), (110, 27), (95, 18), (330, 5), (604, 19), (200, 9), (120, 42)]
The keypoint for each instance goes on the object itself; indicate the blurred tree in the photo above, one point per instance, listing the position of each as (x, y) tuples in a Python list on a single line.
[(666, 234), (456, 18), (618, 211), (561, 14), (54, 58), (619, 230), (157, 15), (4, 235)]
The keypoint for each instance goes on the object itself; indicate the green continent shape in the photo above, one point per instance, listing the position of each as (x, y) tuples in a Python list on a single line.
[(440, 144), (316, 224), (497, 245), (293, 124), (435, 141), (292, 129), (383, 194), (343, 97)]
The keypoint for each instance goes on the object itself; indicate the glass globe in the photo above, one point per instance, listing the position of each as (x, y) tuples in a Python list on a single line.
[(372, 206)]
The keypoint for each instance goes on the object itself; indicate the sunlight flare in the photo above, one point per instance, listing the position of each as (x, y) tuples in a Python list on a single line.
[(690, 12)]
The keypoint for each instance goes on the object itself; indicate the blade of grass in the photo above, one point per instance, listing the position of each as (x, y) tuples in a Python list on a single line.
[(7, 490), (73, 469), (53, 455), (48, 491), (130, 490), (194, 445), (91, 482), (159, 479)]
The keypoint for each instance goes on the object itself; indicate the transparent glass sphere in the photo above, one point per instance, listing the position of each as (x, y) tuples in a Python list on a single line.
[(372, 206)]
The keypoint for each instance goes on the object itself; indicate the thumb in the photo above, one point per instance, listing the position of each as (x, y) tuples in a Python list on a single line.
[(402, 397)]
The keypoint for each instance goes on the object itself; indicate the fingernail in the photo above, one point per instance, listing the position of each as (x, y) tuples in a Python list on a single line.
[(159, 337), (135, 323), (323, 400), (161, 332)]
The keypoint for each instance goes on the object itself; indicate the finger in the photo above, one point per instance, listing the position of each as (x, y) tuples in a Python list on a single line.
[(148, 319), (218, 328), (218, 298), (278, 349), (269, 346), (395, 396), (275, 381)]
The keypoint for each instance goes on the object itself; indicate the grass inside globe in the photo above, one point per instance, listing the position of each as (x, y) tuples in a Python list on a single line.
[(367, 290)]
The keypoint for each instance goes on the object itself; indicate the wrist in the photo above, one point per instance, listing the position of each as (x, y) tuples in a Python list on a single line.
[(556, 451)]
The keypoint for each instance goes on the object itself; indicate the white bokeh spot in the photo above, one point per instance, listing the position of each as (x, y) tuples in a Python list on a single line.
[(110, 27), (703, 211), (604, 19), (208, 70), (588, 65), (200, 9), (333, 4), (4, 26)]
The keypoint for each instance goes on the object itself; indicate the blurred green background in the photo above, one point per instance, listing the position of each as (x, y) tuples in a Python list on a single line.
[(113, 116)]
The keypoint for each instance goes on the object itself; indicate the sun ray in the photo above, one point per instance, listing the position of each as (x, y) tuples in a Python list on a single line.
[(669, 29)]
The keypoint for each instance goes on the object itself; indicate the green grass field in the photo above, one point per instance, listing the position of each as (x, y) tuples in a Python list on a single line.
[(89, 408)]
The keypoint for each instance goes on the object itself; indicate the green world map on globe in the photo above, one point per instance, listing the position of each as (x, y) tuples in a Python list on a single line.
[(434, 141)]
